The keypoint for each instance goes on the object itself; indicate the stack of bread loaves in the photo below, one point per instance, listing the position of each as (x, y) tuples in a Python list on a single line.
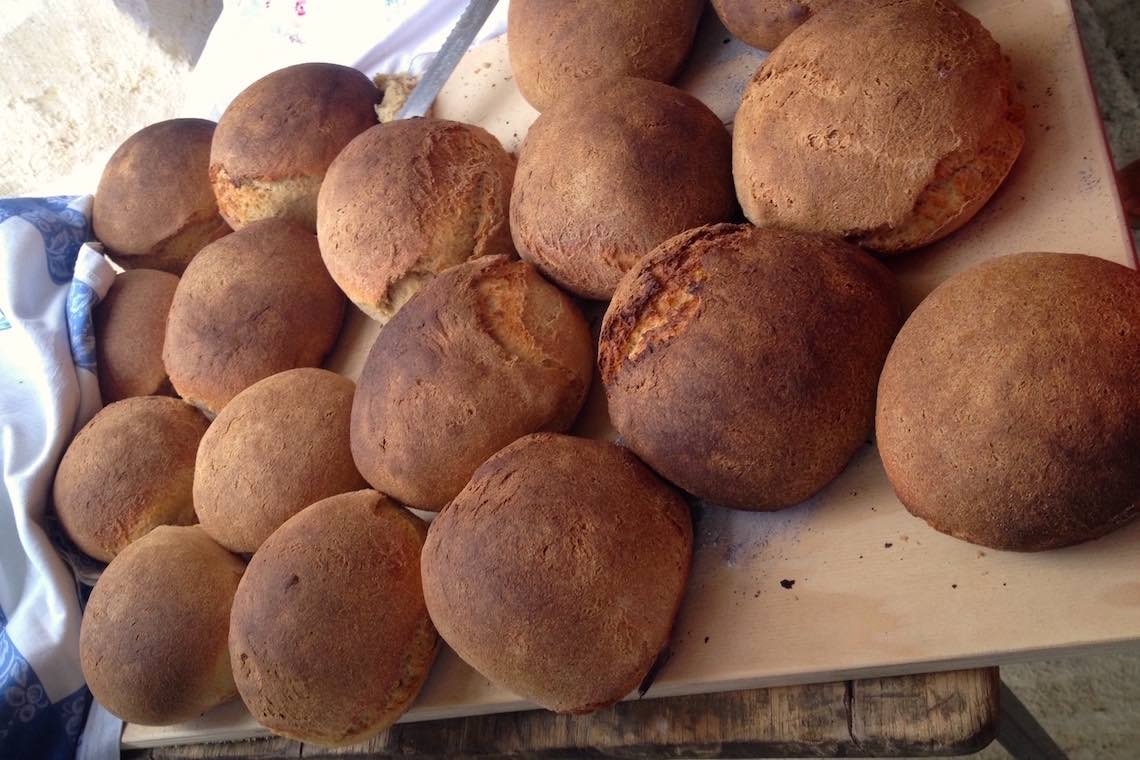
[(269, 553)]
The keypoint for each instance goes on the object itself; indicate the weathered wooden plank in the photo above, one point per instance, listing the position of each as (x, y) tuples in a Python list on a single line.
[(932, 714), (944, 713)]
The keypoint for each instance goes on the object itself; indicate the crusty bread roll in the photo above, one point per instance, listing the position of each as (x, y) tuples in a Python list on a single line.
[(130, 325), (129, 470), (741, 363), (408, 199), (889, 124), (153, 640), (558, 570), (154, 206), (277, 447), (557, 44), (488, 352), (329, 638), (765, 23), (1008, 411), (255, 303), (612, 170), (277, 138)]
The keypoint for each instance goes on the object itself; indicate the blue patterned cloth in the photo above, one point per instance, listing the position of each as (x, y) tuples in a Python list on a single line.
[(49, 283)]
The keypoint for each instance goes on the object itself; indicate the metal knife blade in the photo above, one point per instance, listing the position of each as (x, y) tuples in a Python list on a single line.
[(445, 61)]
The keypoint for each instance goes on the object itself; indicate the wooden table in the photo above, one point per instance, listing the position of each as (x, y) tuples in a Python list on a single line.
[(953, 713)]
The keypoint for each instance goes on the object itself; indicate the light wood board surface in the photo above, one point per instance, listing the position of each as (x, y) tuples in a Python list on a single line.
[(848, 584)]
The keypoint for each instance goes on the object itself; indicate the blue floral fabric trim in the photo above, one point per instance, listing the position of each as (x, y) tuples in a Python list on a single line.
[(81, 299), (63, 229), (30, 725)]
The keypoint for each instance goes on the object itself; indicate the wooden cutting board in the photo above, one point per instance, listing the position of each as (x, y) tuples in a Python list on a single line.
[(849, 584)]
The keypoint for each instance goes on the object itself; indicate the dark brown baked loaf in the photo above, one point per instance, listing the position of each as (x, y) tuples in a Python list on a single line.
[(278, 446), (741, 363), (488, 352), (154, 206), (612, 170), (255, 303), (277, 138), (889, 124), (765, 23), (558, 570), (408, 199), (130, 326), (153, 640), (1008, 411), (329, 638), (129, 470), (557, 44)]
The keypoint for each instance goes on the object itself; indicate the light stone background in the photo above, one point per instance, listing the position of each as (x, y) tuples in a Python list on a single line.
[(78, 77)]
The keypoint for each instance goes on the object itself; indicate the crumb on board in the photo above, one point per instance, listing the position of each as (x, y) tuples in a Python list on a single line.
[(787, 583)]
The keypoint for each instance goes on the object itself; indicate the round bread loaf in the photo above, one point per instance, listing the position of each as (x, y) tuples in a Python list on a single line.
[(558, 570), (129, 470), (408, 199), (329, 638), (154, 206), (765, 23), (1008, 411), (277, 447), (488, 352), (889, 124), (277, 138), (255, 303), (130, 325), (153, 640), (556, 44), (741, 363), (612, 170)]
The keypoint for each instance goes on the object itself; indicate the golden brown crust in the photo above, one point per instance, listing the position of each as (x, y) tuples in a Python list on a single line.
[(153, 640), (279, 446), (765, 23), (330, 639), (556, 44), (130, 325), (408, 199), (1008, 410), (154, 206), (277, 138), (889, 124), (255, 303), (611, 171), (741, 363), (488, 352), (129, 470), (558, 570)]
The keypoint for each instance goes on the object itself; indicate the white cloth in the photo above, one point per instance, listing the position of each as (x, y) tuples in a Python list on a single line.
[(49, 282), (254, 37)]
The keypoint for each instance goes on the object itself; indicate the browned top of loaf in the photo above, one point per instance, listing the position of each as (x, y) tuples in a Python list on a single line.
[(741, 363), (330, 640), (765, 23), (408, 199), (277, 447), (1009, 413), (257, 302), (488, 352), (611, 171), (558, 570), (866, 106), (128, 470), (154, 186), (153, 640), (293, 122), (554, 44), (130, 325)]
